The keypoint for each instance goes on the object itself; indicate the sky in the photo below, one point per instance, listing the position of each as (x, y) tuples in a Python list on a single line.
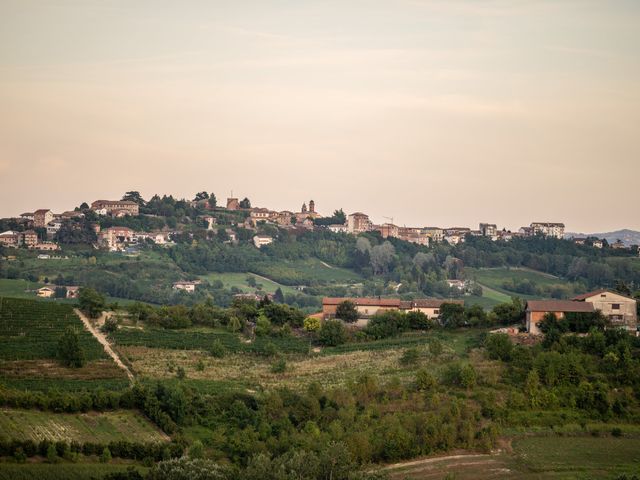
[(433, 113)]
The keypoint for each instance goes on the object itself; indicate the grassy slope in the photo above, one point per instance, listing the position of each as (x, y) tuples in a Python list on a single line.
[(239, 280), (81, 427), (534, 458), (493, 278)]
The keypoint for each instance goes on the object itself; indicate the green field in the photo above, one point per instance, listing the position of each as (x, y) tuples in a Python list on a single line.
[(18, 288), (239, 281), (494, 278), (30, 330), (309, 271), (64, 471), (105, 427), (532, 458)]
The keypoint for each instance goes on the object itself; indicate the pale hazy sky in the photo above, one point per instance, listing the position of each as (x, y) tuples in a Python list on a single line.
[(445, 112)]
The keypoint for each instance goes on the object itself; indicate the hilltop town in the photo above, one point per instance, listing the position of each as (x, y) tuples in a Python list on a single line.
[(42, 229)]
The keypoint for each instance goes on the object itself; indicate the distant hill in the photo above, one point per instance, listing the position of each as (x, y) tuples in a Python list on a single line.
[(628, 237)]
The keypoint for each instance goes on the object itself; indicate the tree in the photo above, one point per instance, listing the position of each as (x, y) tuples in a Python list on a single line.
[(60, 292), (105, 456), (347, 311), (332, 333), (425, 380), (452, 315), (69, 350), (278, 296), (201, 196), (499, 346), (133, 196), (245, 203), (213, 202), (91, 302), (418, 321), (382, 257), (311, 324)]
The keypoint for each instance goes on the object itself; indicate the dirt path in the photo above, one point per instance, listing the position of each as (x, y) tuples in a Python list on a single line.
[(326, 264), (426, 461), (103, 340)]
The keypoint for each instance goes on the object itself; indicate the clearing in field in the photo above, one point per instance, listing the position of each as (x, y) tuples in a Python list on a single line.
[(104, 427)]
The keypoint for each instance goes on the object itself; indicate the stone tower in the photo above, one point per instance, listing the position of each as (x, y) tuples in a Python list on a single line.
[(312, 206), (304, 208)]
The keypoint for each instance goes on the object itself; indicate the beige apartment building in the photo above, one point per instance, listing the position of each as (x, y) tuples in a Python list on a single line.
[(358, 223)]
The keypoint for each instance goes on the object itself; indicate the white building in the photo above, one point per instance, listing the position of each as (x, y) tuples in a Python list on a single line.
[(261, 240), (548, 229)]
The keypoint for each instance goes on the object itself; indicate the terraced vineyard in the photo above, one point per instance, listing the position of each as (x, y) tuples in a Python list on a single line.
[(30, 330), (204, 340)]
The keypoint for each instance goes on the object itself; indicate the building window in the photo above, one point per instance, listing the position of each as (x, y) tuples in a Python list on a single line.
[(615, 306), (436, 312)]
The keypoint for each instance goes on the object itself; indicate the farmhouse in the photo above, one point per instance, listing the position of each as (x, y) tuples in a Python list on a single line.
[(537, 309), (619, 309), (429, 306), (46, 292), (262, 240), (366, 306), (188, 287)]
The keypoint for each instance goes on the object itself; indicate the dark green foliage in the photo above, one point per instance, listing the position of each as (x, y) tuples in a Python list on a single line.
[(499, 346), (452, 315), (332, 333), (410, 356), (418, 321), (347, 311), (91, 302), (69, 350)]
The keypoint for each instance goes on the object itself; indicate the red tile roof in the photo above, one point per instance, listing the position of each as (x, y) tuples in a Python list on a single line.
[(371, 302)]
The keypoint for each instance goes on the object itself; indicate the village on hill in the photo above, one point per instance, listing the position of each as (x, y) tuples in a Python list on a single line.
[(124, 226)]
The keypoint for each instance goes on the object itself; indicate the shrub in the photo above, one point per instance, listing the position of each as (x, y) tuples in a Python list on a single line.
[(312, 324), (279, 366), (410, 356), (69, 349), (332, 333), (425, 380), (347, 311), (435, 347), (218, 350), (197, 449), (110, 325), (105, 456), (499, 346)]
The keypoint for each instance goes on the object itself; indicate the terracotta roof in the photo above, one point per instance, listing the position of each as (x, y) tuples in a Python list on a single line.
[(371, 302), (42, 210), (558, 306), (584, 296)]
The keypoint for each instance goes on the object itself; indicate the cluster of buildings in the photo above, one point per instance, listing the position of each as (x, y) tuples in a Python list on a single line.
[(360, 222), (118, 238), (28, 239), (620, 310)]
